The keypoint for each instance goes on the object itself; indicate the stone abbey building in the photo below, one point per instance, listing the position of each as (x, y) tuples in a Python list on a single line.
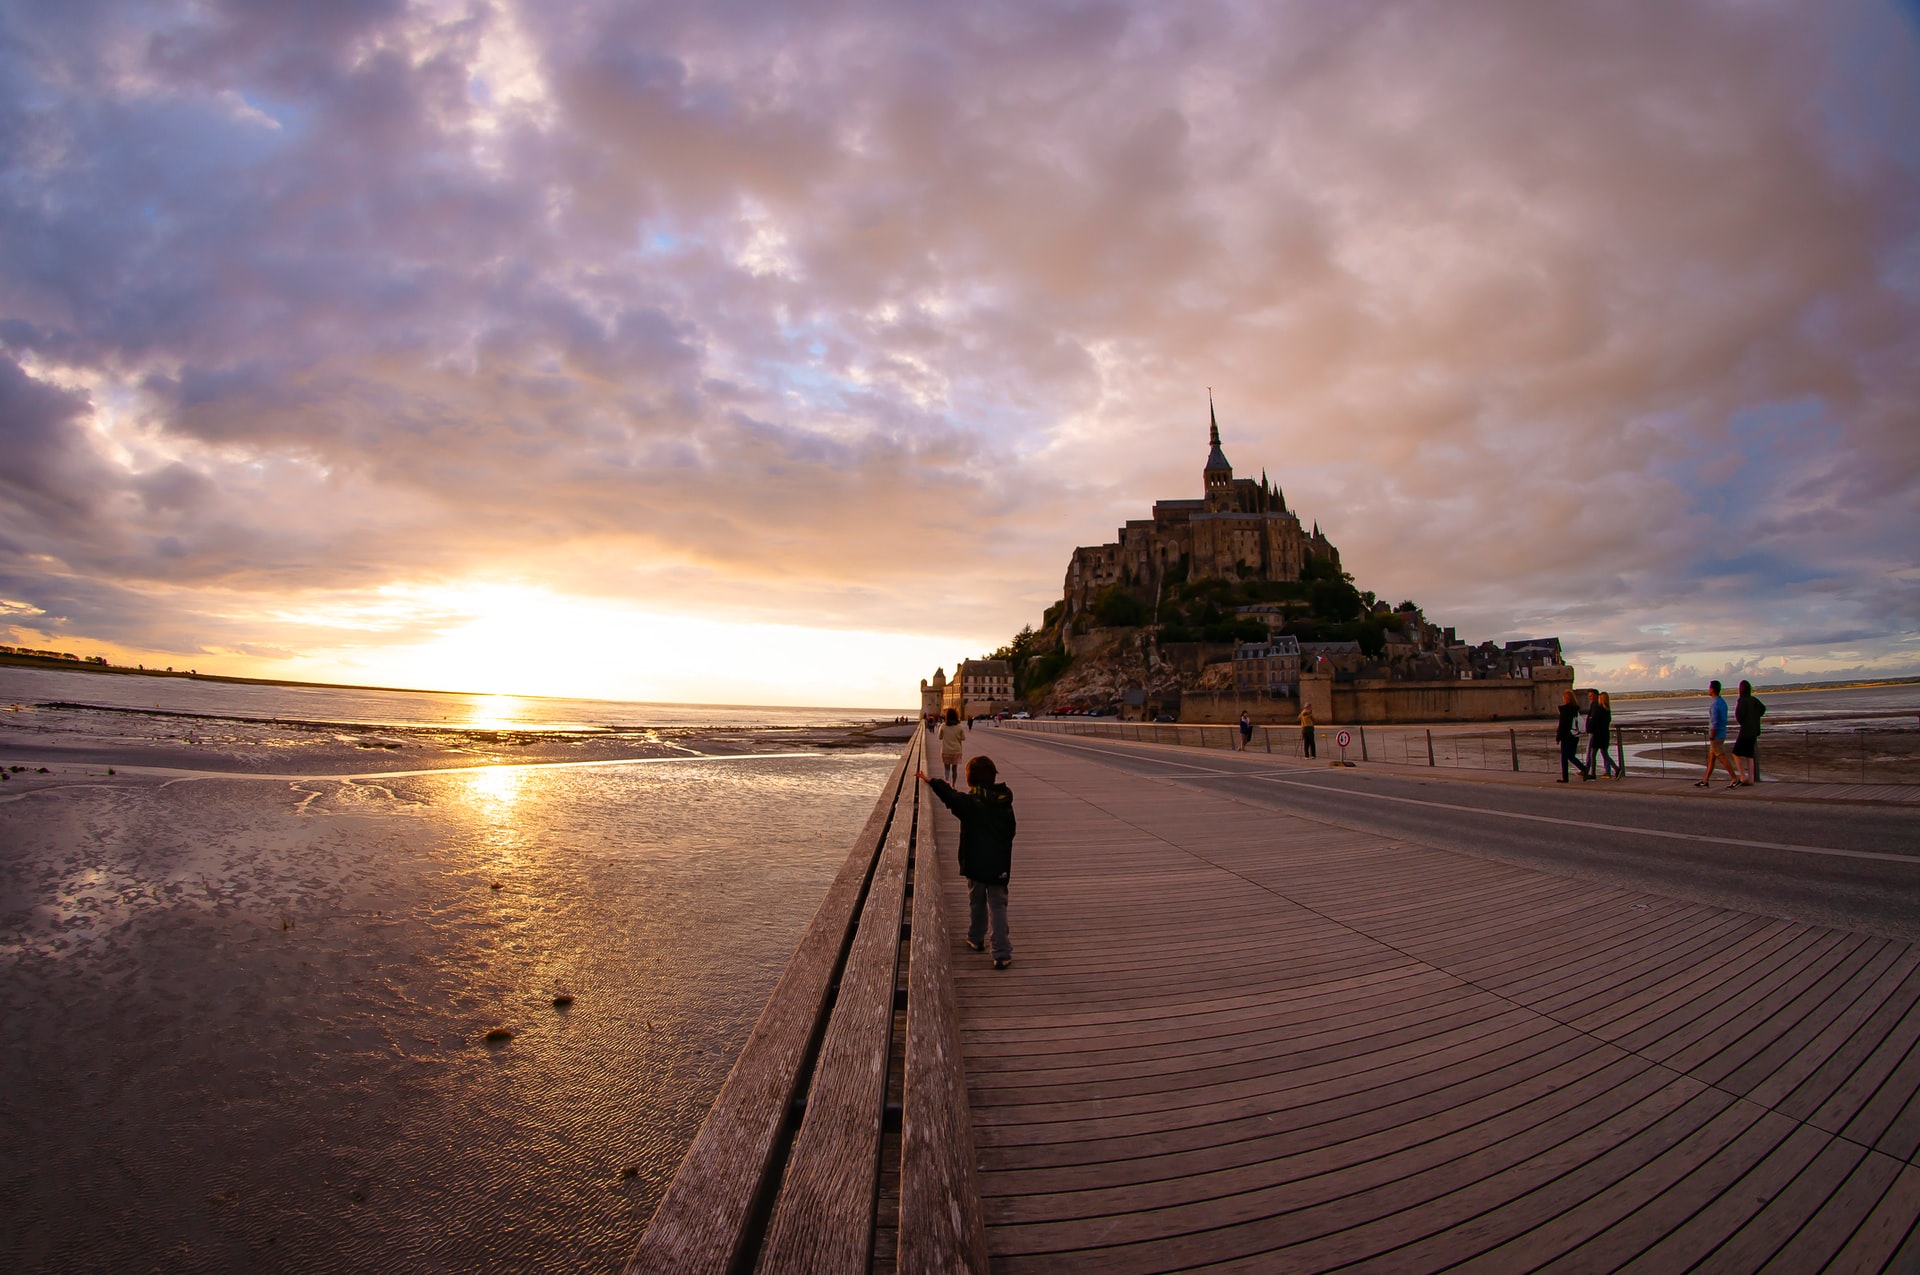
[(1241, 529)]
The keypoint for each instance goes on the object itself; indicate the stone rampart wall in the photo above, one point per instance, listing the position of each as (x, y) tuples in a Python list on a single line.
[(1388, 703)]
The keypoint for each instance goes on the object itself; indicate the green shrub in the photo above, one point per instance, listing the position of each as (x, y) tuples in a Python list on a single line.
[(1336, 600), (1116, 607), (1044, 669)]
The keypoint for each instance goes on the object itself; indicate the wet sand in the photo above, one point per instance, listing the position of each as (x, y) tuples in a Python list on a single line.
[(247, 1012)]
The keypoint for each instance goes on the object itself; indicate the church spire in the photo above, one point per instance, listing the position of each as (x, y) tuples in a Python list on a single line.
[(1217, 477), (1216, 459)]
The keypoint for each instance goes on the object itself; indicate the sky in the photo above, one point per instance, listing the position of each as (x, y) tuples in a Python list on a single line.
[(777, 353)]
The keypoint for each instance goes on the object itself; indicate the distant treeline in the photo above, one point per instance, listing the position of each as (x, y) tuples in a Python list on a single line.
[(66, 657)]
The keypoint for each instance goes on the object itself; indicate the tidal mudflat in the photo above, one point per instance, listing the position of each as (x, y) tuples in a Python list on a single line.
[(247, 1015)]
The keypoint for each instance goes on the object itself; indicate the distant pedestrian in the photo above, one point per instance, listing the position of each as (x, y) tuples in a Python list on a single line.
[(987, 826), (1747, 712), (1246, 731), (1306, 732), (1717, 740), (1568, 733), (1600, 736), (952, 737)]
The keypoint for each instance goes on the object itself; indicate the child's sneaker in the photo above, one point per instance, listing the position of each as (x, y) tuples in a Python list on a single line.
[(1001, 963)]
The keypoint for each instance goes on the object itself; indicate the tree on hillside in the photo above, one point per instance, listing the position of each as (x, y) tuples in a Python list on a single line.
[(1116, 607), (1336, 600)]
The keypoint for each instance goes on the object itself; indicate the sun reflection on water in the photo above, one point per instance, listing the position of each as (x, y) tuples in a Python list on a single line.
[(495, 788), (495, 712)]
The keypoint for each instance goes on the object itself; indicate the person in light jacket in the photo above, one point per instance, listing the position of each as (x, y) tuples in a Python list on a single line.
[(953, 736)]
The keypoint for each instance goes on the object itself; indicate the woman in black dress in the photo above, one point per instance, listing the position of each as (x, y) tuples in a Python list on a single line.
[(1747, 711)]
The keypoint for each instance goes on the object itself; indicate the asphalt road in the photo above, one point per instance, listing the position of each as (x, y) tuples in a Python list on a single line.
[(1853, 867)]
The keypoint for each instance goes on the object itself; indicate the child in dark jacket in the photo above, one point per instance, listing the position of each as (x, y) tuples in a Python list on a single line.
[(985, 811)]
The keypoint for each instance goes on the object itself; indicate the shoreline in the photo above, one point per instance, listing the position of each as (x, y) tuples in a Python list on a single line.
[(1771, 688), (9, 659)]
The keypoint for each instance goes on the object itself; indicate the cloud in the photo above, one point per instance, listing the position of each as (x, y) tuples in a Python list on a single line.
[(1556, 318)]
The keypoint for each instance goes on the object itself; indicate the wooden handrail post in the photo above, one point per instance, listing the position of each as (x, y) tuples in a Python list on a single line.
[(941, 1224), (712, 1215), (823, 1218)]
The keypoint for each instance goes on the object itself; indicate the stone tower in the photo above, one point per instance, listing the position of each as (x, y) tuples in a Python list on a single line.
[(1218, 475)]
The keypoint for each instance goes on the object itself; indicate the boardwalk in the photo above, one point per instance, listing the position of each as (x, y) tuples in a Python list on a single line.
[(1239, 1040)]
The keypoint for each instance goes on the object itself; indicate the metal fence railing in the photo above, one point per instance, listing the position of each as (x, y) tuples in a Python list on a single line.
[(1863, 755)]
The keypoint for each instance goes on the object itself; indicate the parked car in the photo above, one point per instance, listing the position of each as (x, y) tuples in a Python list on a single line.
[(1166, 717), (1022, 715)]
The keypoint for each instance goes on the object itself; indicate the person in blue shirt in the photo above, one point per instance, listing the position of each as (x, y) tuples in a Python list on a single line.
[(1717, 740)]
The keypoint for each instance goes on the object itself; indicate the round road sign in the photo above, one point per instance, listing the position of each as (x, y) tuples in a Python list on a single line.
[(1343, 738)]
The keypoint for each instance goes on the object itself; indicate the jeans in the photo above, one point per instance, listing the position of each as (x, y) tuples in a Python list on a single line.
[(988, 903), (1570, 752), (1306, 742), (1597, 748)]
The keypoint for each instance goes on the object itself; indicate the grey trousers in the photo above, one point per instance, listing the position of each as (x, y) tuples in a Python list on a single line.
[(989, 902)]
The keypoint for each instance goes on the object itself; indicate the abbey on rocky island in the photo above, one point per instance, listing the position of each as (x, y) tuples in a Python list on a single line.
[(1240, 530)]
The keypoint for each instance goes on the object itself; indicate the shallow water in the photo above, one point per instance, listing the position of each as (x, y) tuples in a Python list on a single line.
[(246, 1014), (340, 704), (1835, 708)]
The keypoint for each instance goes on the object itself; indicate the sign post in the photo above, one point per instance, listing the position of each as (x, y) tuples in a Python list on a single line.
[(1342, 740)]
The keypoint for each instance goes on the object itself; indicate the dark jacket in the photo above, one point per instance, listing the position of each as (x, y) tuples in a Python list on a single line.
[(1567, 713), (1748, 710), (1600, 721), (986, 829)]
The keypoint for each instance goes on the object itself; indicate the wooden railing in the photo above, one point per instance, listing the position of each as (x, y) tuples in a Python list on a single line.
[(789, 1170)]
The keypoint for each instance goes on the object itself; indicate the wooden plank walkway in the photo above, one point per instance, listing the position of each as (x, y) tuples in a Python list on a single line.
[(1236, 1040)]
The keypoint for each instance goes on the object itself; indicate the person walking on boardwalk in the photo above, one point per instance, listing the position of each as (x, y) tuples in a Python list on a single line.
[(1246, 730), (1600, 736), (1717, 740), (986, 818), (1569, 736), (1747, 712), (952, 736), (1306, 731)]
